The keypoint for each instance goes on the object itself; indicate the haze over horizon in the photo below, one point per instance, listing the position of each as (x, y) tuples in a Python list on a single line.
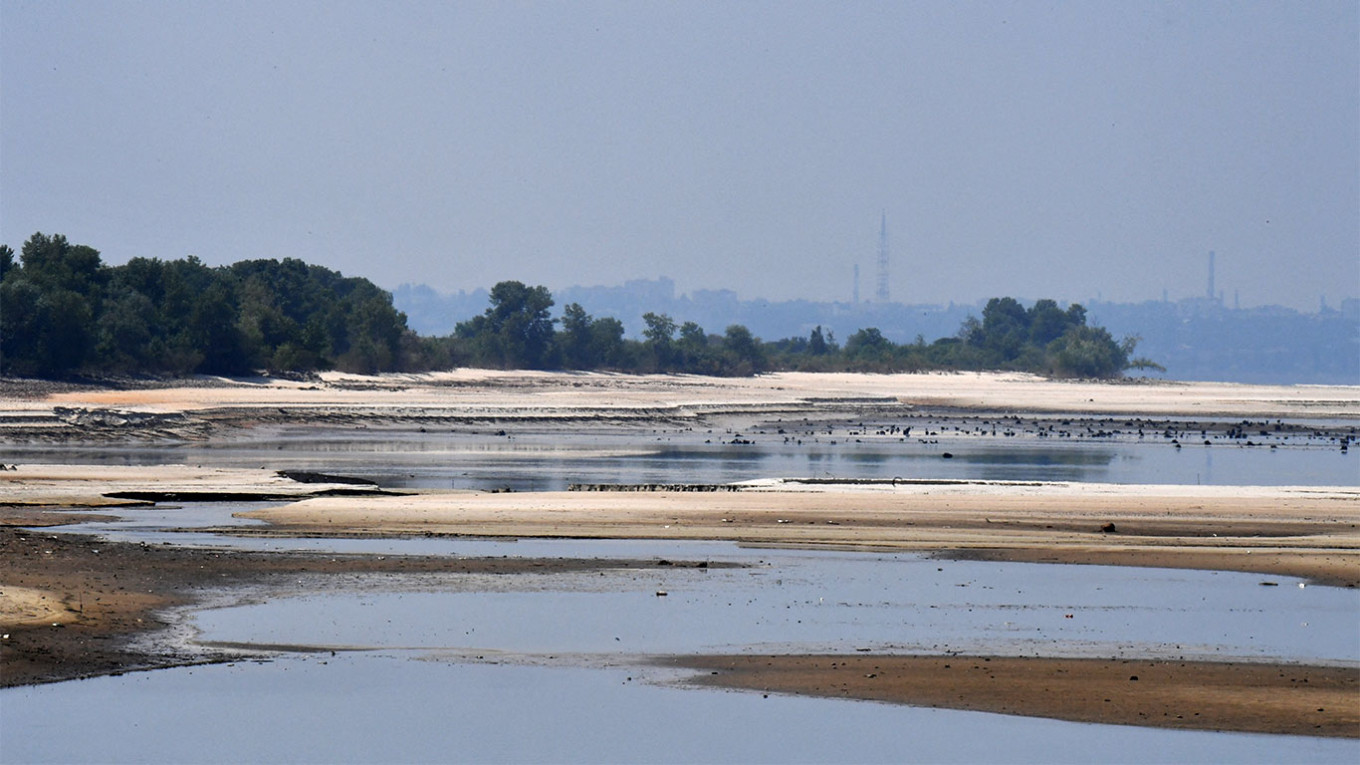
[(1064, 151)]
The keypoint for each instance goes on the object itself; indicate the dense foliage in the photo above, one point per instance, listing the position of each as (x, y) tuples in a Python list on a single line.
[(62, 313)]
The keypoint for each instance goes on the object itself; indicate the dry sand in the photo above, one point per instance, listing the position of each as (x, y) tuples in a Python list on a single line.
[(467, 389)]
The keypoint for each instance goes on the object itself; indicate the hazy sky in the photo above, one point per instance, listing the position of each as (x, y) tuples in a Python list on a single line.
[(1063, 149)]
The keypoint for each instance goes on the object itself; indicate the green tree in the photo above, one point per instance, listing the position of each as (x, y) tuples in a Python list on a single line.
[(22, 314), (868, 345), (517, 330), (576, 338), (607, 347), (817, 342), (692, 352), (48, 306), (213, 331), (660, 334), (54, 263), (743, 351), (1047, 322), (1089, 352), (1005, 327), (125, 329)]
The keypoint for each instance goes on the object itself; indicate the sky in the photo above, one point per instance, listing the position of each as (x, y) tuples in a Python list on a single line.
[(1072, 150)]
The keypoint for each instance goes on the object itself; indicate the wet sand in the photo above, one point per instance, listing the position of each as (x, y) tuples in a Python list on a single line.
[(1236, 696)]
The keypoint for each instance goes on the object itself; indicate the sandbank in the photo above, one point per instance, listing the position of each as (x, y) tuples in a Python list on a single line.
[(1309, 532)]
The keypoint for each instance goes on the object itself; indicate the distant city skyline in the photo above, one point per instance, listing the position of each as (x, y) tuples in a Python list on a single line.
[(1212, 292), (1071, 150)]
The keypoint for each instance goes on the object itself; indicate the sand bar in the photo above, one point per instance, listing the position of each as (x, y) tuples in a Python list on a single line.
[(1311, 532)]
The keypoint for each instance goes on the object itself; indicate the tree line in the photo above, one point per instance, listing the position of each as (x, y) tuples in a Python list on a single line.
[(64, 313)]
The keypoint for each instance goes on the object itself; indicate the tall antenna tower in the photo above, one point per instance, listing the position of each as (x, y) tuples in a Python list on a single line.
[(1212, 295), (855, 295), (882, 293)]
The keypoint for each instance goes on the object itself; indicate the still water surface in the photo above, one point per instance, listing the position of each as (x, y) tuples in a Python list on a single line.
[(395, 707), (808, 601), (537, 462)]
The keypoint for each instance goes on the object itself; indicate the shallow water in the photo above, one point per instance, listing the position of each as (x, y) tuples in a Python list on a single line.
[(396, 707), (399, 708), (408, 459), (808, 601)]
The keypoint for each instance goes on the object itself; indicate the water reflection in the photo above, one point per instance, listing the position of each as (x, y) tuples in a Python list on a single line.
[(394, 707), (536, 463), (810, 601)]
